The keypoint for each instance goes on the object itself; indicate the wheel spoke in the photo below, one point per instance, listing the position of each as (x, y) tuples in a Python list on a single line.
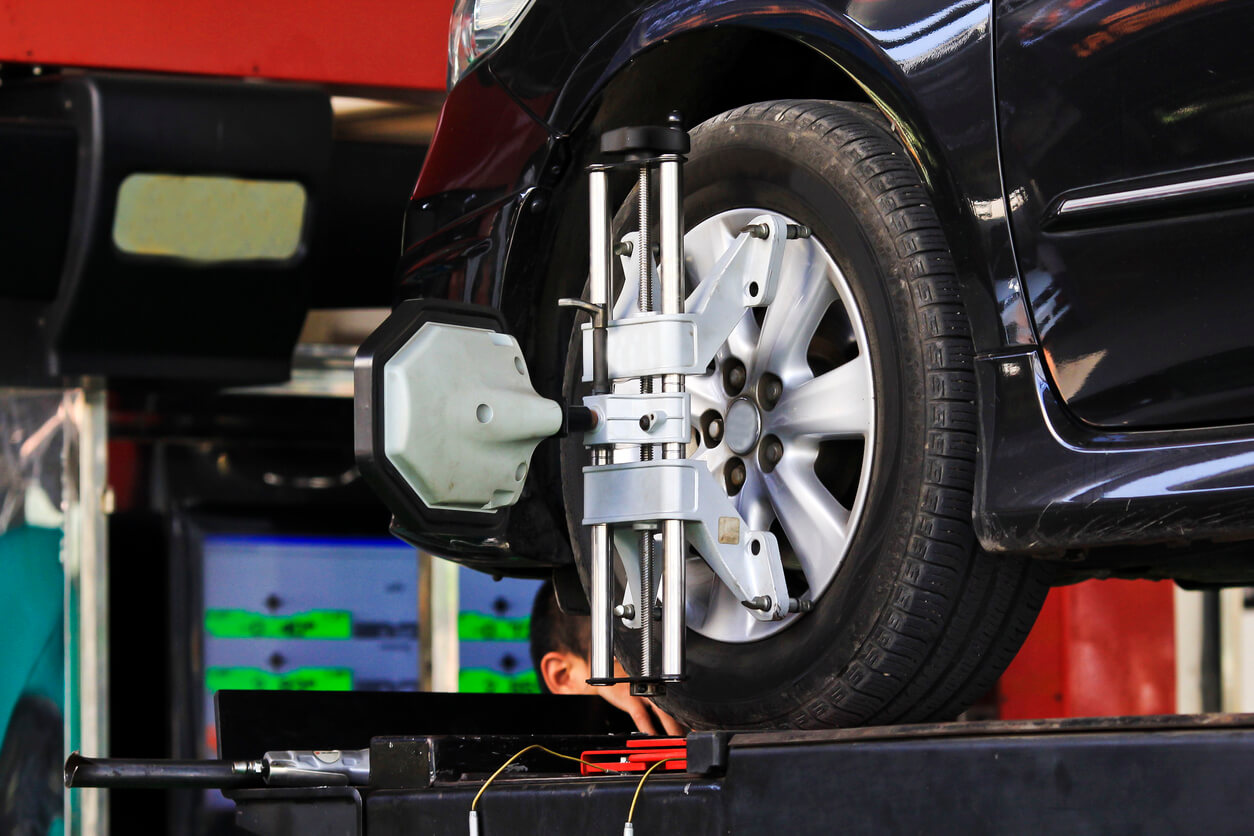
[(702, 586), (753, 503), (714, 458), (627, 304), (706, 393), (837, 404), (802, 298), (743, 342), (816, 524), (704, 245), (726, 617)]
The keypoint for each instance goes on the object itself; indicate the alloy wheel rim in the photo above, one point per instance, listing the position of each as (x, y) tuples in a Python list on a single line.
[(807, 371)]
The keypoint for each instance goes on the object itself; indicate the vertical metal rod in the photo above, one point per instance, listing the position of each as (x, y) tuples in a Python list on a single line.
[(674, 544), (647, 598), (645, 301), (645, 257), (599, 238), (602, 594), (86, 591), (674, 548), (601, 293), (445, 646), (671, 229)]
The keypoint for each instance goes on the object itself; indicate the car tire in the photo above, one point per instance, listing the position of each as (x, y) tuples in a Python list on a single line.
[(911, 621)]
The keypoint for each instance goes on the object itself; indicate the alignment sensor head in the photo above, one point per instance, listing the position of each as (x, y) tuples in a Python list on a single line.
[(445, 417)]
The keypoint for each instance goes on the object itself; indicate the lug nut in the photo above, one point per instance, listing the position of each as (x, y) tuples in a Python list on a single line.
[(712, 428), (770, 390), (734, 376), (734, 476), (770, 452)]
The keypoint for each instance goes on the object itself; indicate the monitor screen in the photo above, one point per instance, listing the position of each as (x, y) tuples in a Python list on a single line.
[(493, 630), (307, 613)]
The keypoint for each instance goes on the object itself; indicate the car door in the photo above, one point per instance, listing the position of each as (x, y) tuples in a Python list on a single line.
[(1127, 139)]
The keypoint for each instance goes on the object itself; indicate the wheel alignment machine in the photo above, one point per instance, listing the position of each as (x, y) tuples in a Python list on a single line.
[(448, 420)]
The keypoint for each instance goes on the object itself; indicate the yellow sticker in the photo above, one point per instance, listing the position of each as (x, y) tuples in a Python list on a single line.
[(209, 219)]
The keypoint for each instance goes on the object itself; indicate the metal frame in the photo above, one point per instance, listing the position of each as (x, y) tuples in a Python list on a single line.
[(439, 655), (628, 340), (684, 343), (747, 561), (85, 552)]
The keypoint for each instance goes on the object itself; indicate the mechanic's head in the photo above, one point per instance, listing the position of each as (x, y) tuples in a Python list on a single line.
[(559, 645)]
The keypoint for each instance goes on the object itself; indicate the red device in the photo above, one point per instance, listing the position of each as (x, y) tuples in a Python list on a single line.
[(639, 756)]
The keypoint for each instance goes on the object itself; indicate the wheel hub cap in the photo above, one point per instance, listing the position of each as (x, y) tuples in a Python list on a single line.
[(743, 426)]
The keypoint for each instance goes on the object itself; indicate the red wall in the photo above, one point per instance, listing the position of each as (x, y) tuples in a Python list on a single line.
[(362, 42), (1099, 649)]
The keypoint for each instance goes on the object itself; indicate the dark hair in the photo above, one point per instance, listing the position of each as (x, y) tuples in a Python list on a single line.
[(552, 629)]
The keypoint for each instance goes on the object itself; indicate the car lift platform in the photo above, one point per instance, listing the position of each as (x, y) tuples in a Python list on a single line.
[(1163, 774)]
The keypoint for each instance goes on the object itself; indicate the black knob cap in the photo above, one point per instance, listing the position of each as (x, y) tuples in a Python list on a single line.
[(647, 140)]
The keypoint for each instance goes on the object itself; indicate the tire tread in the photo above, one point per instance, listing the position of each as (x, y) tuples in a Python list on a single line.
[(957, 615)]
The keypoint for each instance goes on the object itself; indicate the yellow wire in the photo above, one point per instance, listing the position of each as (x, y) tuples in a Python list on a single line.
[(522, 752), (631, 812)]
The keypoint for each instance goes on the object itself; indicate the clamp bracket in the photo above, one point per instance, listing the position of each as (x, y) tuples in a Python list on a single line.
[(660, 418), (747, 561), (643, 344)]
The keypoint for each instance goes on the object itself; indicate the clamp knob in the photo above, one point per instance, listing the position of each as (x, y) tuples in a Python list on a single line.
[(643, 141)]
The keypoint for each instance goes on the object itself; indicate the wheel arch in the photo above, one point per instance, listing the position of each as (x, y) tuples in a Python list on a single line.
[(638, 73), (709, 69)]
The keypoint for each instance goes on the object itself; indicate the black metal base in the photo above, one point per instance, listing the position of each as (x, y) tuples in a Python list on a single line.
[(251, 723), (641, 686), (1121, 775)]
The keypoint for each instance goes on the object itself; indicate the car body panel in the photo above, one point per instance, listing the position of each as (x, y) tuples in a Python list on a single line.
[(1050, 484), (511, 232), (1105, 98), (926, 66)]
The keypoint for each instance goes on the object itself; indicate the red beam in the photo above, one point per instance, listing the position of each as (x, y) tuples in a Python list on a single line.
[(376, 43)]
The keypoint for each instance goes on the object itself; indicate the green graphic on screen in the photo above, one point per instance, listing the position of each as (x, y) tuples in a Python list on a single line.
[(484, 681), (300, 679), (494, 632), (243, 624), (301, 613), (476, 626)]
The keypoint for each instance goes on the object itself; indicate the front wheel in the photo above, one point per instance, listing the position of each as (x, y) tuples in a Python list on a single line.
[(841, 418)]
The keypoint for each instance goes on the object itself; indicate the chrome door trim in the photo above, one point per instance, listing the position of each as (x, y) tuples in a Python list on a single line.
[(1134, 197)]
